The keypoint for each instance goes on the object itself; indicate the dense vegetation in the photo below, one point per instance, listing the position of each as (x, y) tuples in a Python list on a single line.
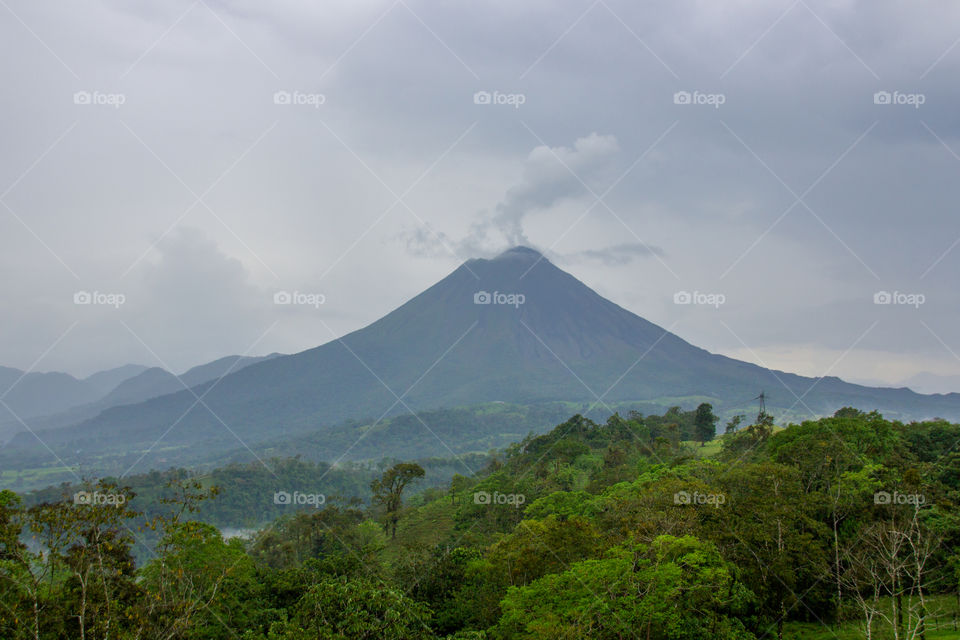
[(435, 433), (623, 529), (245, 491)]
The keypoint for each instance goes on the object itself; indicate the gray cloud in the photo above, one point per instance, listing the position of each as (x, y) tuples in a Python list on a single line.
[(616, 255), (550, 175), (303, 197)]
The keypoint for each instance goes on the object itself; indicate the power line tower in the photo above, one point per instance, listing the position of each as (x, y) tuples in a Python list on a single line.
[(763, 405)]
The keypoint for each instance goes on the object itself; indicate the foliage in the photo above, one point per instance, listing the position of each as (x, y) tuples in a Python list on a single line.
[(614, 529), (388, 491)]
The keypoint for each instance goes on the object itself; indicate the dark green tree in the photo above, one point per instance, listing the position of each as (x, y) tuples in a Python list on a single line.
[(734, 423), (704, 423), (355, 609), (388, 491)]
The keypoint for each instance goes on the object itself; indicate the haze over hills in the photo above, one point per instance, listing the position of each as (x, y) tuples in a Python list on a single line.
[(932, 383), (28, 395), (33, 394), (107, 381), (157, 381), (514, 328), (48, 406), (922, 382)]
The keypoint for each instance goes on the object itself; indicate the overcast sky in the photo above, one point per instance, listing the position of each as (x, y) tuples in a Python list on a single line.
[(198, 157)]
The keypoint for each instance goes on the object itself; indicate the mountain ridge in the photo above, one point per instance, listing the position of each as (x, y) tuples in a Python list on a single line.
[(135, 384), (512, 328)]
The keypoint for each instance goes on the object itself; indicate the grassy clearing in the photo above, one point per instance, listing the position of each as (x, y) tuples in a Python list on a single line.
[(36, 477), (708, 450), (943, 625)]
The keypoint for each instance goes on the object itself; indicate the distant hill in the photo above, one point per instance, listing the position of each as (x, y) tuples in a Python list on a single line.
[(514, 328), (155, 381), (33, 394), (932, 383), (128, 384), (107, 381), (29, 395)]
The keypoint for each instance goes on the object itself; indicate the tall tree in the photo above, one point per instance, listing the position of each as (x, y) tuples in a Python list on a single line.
[(768, 530), (388, 491), (704, 423)]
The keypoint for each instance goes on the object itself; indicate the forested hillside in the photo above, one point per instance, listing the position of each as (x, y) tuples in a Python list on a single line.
[(637, 527)]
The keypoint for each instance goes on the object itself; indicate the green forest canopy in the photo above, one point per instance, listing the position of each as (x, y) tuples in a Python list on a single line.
[(620, 529)]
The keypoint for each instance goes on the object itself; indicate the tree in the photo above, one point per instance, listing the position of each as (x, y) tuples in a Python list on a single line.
[(749, 441), (435, 576), (388, 491), (768, 530), (837, 458), (734, 423), (539, 547), (81, 582), (893, 557), (197, 582), (674, 588), (327, 533), (845, 496), (354, 609), (704, 423), (565, 451), (19, 581)]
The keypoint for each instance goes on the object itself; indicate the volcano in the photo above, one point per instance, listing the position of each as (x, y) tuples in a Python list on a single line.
[(512, 329)]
